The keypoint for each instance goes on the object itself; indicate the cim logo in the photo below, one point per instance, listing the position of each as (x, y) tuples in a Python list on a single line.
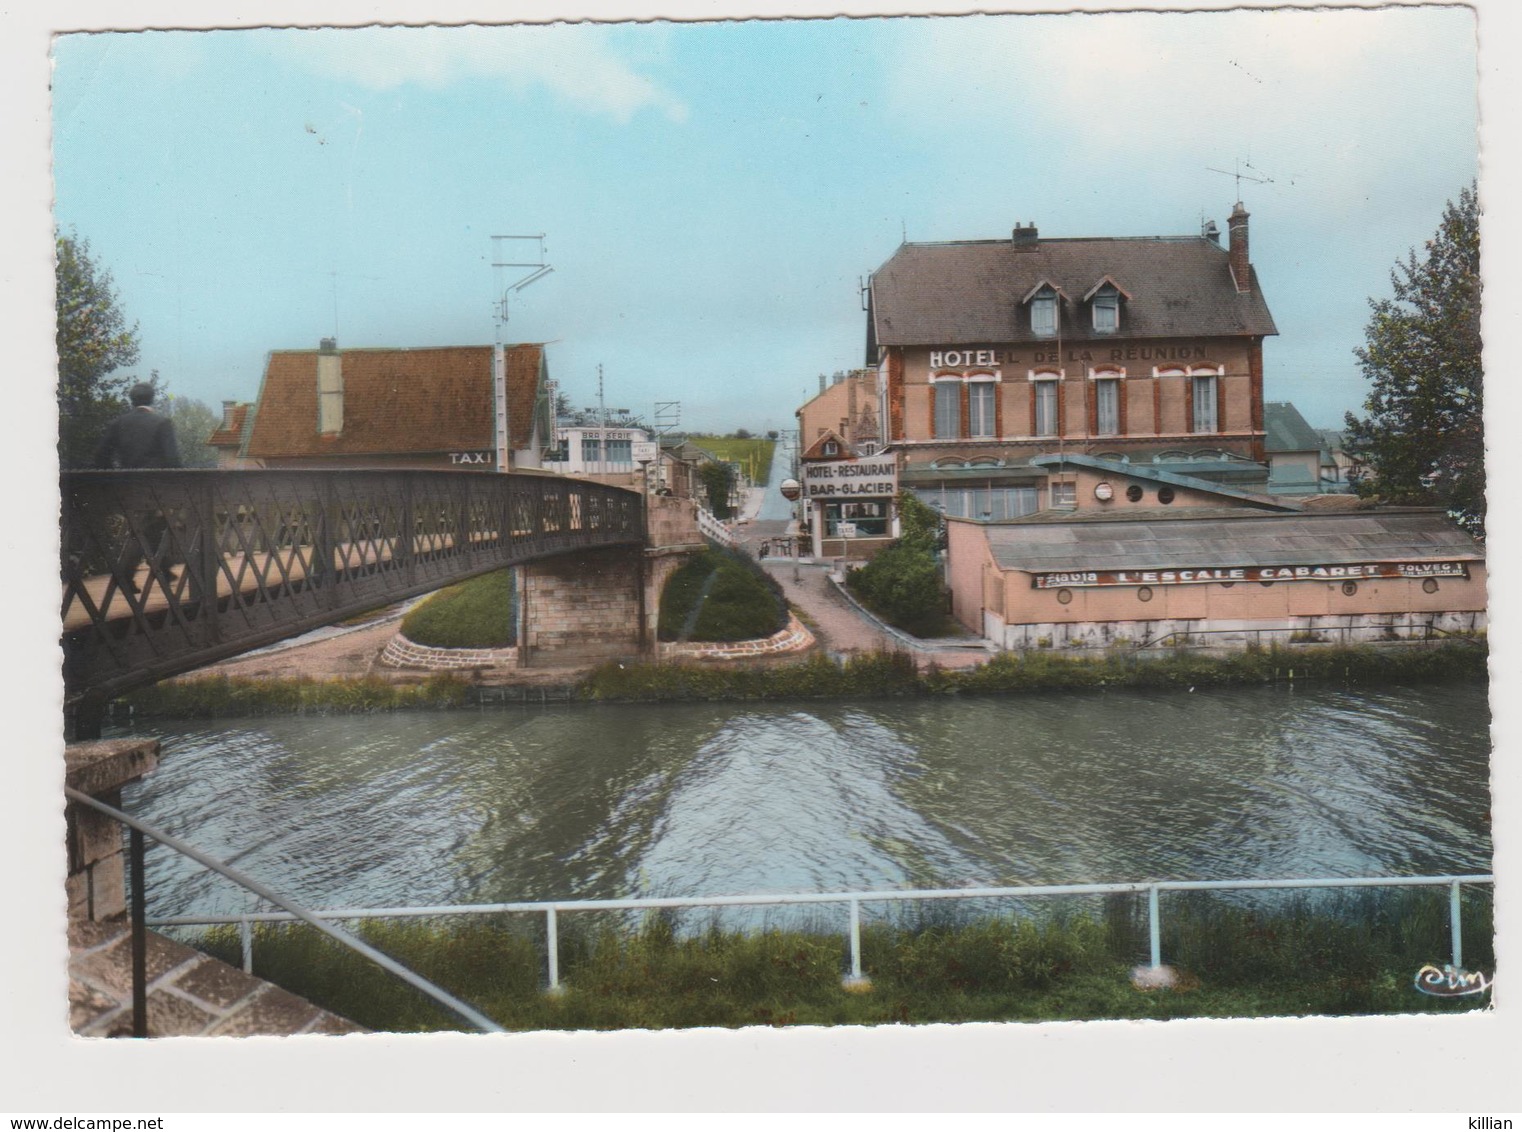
[(1449, 981)]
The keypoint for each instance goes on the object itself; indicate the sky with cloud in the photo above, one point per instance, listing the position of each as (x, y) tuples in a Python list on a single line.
[(713, 193)]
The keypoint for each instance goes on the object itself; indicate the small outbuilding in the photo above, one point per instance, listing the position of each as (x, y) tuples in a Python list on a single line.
[(1142, 558)]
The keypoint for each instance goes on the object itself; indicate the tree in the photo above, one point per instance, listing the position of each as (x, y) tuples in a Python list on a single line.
[(1423, 438), (718, 480), (903, 582), (93, 342), (194, 421)]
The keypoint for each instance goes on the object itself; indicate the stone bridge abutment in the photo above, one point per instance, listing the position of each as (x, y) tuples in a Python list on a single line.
[(604, 603)]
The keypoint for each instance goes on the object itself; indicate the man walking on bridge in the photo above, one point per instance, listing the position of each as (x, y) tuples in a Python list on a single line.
[(141, 438)]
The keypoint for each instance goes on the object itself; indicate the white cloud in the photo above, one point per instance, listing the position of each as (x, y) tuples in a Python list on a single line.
[(1123, 92), (576, 63)]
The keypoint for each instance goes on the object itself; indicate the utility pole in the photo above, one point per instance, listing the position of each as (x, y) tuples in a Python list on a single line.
[(526, 267)]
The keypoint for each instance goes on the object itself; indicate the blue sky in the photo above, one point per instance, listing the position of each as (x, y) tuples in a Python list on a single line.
[(712, 193)]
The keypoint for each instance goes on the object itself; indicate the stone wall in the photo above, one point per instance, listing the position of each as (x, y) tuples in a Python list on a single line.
[(1231, 633), (671, 521), (403, 653), (585, 603), (96, 884), (793, 639)]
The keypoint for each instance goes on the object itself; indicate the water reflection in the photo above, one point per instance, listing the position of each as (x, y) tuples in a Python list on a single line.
[(519, 804)]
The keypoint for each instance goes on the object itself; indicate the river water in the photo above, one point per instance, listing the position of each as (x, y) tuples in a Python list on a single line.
[(502, 804)]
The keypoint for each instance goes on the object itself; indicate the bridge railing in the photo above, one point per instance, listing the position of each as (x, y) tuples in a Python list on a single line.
[(713, 529), (852, 903), (163, 571), (136, 862)]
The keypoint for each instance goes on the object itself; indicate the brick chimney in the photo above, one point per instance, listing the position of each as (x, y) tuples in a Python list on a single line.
[(1241, 266), (330, 389), (1025, 236)]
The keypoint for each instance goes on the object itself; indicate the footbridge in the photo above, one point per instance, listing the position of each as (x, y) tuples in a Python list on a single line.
[(166, 571)]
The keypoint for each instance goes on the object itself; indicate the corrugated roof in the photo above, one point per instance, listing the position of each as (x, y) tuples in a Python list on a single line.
[(396, 401), (1285, 430), (1223, 539), (970, 292)]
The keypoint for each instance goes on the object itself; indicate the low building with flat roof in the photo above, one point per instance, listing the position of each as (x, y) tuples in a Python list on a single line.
[(1135, 557)]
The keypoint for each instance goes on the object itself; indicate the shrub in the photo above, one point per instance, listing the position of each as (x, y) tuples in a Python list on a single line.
[(721, 596), (475, 614), (902, 584)]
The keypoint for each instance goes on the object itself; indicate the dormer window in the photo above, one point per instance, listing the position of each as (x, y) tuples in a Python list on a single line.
[(831, 448), (1106, 307), (1044, 314), (1042, 300)]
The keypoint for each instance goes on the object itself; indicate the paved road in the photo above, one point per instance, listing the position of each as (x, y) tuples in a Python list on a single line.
[(840, 626)]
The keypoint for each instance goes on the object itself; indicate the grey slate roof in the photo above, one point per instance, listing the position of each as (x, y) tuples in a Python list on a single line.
[(1159, 475), (1285, 430), (970, 292), (1224, 539)]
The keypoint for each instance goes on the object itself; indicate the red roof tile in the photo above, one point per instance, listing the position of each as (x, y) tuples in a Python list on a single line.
[(230, 435), (395, 401)]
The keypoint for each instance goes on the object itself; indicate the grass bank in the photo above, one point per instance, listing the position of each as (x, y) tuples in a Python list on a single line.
[(1350, 955), (721, 595), (877, 675), (864, 676), (218, 697), (475, 614)]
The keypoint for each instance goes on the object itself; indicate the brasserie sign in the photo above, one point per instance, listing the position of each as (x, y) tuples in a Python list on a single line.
[(1323, 573), (869, 477)]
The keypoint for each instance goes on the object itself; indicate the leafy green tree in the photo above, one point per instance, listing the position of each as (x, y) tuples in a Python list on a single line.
[(718, 480), (902, 583), (194, 421), (93, 342), (920, 525), (1423, 438)]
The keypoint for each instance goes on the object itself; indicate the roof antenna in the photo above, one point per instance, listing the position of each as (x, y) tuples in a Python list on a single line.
[(1261, 179)]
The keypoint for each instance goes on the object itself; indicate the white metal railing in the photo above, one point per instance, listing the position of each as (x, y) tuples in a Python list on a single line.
[(712, 528), (853, 902), (293, 911)]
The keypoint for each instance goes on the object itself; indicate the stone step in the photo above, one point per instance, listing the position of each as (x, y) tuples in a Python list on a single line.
[(189, 994)]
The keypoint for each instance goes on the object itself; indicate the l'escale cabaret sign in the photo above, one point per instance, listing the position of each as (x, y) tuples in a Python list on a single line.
[(1340, 573)]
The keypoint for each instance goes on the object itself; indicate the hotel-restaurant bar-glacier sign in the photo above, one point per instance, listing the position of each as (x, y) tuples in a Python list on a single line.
[(869, 477)]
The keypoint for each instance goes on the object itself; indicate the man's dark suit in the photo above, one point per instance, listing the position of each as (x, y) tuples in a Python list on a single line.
[(141, 438)]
